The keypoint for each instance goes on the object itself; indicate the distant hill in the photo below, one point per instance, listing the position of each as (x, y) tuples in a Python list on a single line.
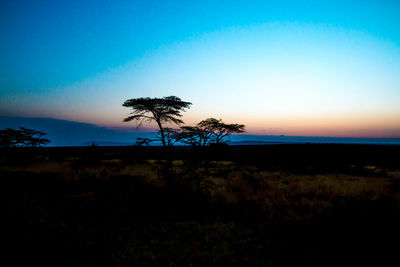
[(247, 139), (71, 133)]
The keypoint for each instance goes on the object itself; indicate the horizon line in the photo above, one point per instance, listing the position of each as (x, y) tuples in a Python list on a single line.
[(151, 129)]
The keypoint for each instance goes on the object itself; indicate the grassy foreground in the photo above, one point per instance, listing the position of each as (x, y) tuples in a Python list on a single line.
[(116, 206)]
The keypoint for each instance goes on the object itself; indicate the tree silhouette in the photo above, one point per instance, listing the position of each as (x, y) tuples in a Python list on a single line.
[(33, 138), (160, 110), (190, 135), (171, 135), (209, 131), (10, 137), (143, 141), (22, 137), (215, 131)]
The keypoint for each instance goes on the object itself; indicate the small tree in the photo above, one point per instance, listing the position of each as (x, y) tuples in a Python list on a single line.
[(171, 135), (210, 128), (143, 141), (10, 137), (33, 138), (22, 137), (191, 135), (160, 110), (220, 130), (210, 131)]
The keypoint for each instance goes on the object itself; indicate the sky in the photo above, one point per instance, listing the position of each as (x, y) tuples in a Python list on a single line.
[(301, 68)]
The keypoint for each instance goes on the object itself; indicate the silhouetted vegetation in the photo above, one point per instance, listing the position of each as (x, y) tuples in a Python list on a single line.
[(22, 137), (171, 135), (160, 110), (209, 131), (168, 109), (143, 141)]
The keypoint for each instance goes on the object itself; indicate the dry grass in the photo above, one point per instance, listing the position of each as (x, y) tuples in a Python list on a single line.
[(298, 196), (200, 213)]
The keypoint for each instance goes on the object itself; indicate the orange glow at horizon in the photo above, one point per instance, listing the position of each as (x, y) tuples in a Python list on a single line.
[(345, 125)]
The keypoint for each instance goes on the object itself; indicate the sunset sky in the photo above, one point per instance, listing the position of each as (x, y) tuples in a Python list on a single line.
[(315, 68)]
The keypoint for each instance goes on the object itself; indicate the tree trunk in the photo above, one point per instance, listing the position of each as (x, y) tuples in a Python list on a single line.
[(162, 134)]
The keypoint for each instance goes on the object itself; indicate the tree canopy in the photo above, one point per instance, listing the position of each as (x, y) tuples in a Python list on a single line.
[(22, 137), (208, 131), (216, 131), (160, 110)]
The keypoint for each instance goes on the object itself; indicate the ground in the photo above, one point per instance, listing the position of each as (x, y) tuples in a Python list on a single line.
[(279, 205)]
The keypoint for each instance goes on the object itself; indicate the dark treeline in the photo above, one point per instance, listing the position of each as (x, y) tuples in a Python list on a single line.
[(22, 137)]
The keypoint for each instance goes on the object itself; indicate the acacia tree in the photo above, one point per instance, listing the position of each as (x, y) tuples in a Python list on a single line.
[(10, 137), (143, 141), (22, 138), (209, 131), (171, 135), (160, 110), (221, 130), (190, 135), (33, 138)]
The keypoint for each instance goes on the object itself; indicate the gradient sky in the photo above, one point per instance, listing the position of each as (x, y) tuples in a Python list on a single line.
[(319, 68)]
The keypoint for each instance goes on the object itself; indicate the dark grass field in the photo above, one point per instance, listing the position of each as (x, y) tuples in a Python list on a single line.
[(276, 205)]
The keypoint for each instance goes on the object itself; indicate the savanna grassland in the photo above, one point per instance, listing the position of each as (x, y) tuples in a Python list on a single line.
[(278, 205)]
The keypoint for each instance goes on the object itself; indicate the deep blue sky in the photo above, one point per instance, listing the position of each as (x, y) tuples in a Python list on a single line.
[(67, 59), (48, 43)]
